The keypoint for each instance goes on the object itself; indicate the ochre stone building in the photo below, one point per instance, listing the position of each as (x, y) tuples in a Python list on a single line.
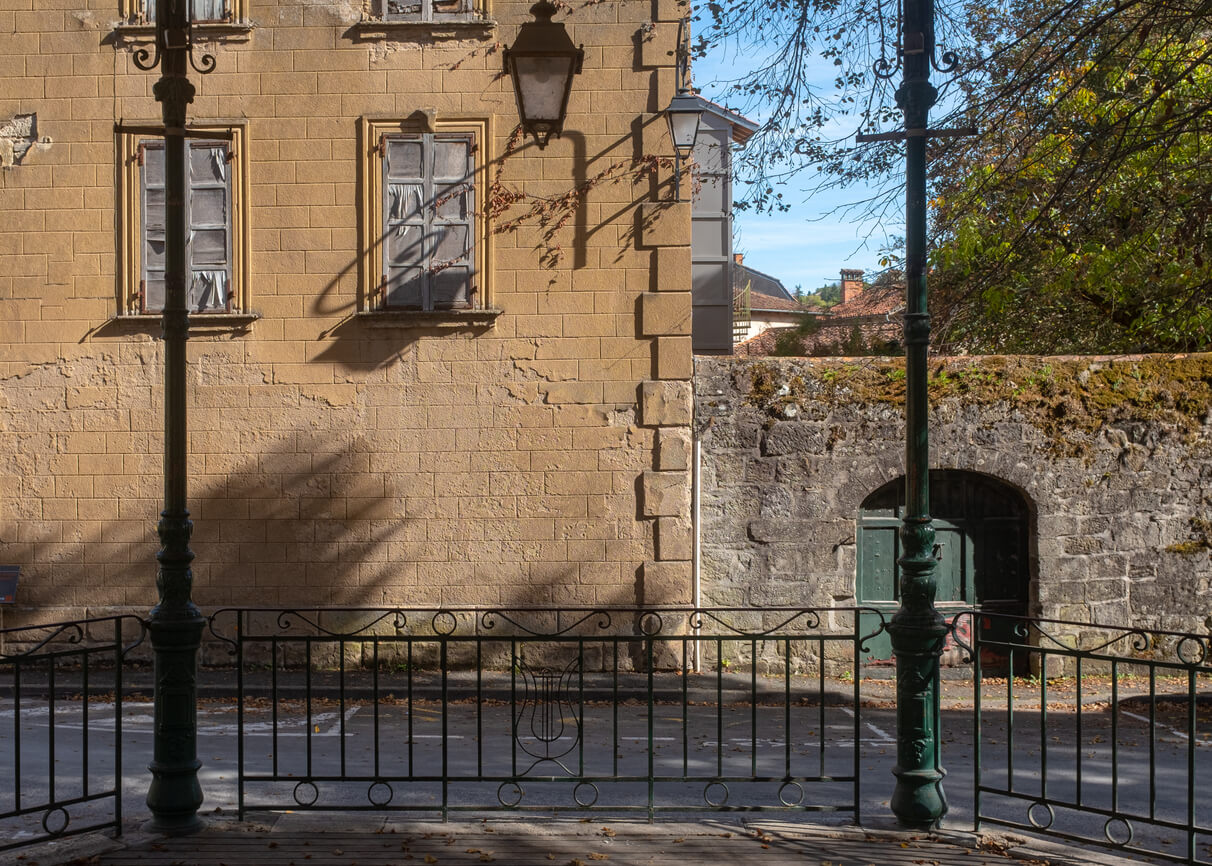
[(431, 363)]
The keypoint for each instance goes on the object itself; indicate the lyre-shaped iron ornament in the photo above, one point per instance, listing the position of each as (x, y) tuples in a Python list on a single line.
[(547, 724)]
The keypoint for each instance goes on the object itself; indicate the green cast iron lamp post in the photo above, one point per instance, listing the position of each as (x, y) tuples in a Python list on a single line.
[(175, 624), (917, 629)]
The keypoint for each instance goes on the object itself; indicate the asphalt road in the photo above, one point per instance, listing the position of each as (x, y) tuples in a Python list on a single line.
[(737, 744)]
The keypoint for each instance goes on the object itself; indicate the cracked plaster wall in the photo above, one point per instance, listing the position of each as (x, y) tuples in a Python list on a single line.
[(332, 462)]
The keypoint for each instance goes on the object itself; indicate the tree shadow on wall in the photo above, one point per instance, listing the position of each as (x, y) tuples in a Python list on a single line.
[(325, 518)]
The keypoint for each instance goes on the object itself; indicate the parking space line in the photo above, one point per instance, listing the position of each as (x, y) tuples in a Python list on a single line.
[(1174, 731)]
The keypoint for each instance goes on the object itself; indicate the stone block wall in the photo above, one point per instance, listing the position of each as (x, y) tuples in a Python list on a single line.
[(336, 458), (1114, 456)]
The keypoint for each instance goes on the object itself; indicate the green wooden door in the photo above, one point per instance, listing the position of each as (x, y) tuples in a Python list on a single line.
[(980, 542)]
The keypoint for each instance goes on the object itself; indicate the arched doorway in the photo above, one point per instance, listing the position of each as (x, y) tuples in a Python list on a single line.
[(982, 528)]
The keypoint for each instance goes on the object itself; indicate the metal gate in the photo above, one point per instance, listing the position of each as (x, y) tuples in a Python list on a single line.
[(61, 701), (1107, 740)]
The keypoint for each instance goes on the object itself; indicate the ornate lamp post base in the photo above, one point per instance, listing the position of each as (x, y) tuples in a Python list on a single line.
[(918, 800), (175, 794), (176, 627), (917, 631)]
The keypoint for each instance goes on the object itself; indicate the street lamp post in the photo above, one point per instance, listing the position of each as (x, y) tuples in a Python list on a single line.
[(175, 624), (917, 628)]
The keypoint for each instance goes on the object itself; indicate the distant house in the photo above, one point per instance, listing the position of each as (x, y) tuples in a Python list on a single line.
[(867, 321), (763, 302)]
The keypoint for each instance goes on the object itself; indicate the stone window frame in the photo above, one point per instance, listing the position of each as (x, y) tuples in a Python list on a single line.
[(131, 229), (373, 133)]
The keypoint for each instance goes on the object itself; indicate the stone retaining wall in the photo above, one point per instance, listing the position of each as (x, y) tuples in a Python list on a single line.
[(1114, 456)]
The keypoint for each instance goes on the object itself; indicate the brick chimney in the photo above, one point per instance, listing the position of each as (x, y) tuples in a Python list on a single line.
[(852, 284)]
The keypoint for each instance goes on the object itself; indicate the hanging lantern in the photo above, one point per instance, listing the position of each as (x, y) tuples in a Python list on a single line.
[(542, 61)]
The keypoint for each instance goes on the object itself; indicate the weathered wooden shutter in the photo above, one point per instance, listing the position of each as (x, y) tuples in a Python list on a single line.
[(452, 264), (404, 244), (428, 230), (209, 227), (151, 211), (209, 244)]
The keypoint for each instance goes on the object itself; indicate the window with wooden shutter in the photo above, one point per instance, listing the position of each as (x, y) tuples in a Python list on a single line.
[(428, 238), (426, 10), (201, 11), (208, 249), (217, 239), (423, 229)]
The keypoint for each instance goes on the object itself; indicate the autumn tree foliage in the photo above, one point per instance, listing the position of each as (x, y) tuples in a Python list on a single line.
[(1077, 219)]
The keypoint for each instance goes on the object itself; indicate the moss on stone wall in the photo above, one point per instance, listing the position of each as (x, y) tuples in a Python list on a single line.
[(1200, 540), (1067, 398)]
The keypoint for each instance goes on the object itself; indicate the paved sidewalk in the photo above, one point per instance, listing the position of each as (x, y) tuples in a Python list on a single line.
[(354, 840)]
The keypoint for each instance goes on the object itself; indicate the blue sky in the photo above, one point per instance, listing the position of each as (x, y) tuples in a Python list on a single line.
[(805, 245)]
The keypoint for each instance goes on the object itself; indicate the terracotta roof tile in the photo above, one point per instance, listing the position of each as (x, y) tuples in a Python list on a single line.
[(827, 340), (760, 301), (759, 346), (874, 313), (872, 302)]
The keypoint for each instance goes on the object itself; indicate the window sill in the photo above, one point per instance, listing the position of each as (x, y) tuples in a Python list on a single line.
[(222, 31), (441, 319), (197, 321), (375, 30)]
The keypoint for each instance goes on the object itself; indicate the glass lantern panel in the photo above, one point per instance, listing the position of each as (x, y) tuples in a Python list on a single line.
[(541, 84), (684, 128)]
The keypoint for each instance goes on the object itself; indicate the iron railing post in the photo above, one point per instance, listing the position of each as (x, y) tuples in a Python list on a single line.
[(175, 624), (917, 628)]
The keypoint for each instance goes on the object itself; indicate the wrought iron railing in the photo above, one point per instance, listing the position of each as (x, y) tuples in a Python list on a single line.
[(61, 702), (1086, 732), (539, 709), (1093, 733)]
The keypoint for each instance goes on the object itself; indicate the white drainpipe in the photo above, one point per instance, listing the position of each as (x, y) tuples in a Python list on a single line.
[(696, 544)]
